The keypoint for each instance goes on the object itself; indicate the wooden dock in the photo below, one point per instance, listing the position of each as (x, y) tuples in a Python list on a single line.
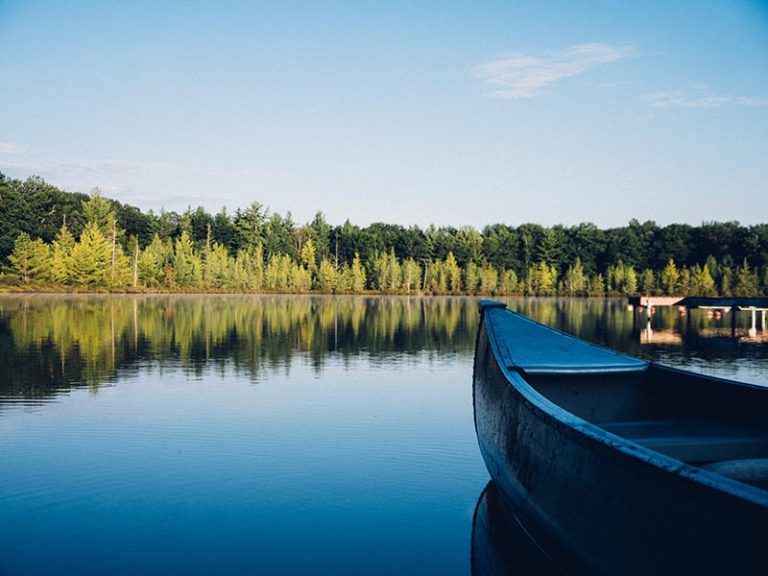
[(649, 301), (737, 303)]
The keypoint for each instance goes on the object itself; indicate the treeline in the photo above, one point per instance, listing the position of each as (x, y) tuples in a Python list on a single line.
[(59, 240)]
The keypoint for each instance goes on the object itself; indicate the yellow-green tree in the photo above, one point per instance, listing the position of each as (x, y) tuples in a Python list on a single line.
[(152, 262), (489, 279), (327, 277), (91, 258), (669, 278), (30, 259), (702, 283), (471, 278), (452, 274), (746, 281), (61, 256), (575, 282), (411, 276), (187, 264)]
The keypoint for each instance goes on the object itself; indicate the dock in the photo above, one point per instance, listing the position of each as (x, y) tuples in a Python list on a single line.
[(724, 305), (649, 301)]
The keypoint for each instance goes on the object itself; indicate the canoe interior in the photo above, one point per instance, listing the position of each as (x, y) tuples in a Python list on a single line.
[(692, 418)]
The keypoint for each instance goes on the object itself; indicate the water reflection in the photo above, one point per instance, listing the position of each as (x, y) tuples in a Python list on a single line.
[(50, 343), (502, 544)]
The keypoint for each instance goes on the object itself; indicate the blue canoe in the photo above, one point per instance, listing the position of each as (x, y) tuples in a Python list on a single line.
[(619, 465)]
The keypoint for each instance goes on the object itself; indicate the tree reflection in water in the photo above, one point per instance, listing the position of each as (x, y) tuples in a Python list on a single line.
[(50, 343)]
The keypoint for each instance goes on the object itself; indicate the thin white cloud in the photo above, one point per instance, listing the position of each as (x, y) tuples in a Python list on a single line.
[(10, 148), (699, 98), (85, 167), (519, 76)]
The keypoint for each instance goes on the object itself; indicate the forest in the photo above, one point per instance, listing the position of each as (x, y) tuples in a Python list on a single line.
[(55, 240)]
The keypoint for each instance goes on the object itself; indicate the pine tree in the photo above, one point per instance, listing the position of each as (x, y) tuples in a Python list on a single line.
[(471, 278), (91, 258), (489, 279), (411, 276), (299, 278), (702, 283), (30, 259), (218, 267), (453, 274), (509, 283), (746, 281), (326, 277), (187, 264), (248, 271), (597, 285), (152, 262), (648, 282), (98, 210), (309, 255), (357, 275), (61, 256), (669, 278), (575, 280)]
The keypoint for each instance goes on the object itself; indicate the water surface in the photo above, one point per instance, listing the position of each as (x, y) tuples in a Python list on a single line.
[(268, 434)]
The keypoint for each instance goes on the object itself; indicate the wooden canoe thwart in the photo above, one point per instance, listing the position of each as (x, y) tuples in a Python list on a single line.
[(630, 466)]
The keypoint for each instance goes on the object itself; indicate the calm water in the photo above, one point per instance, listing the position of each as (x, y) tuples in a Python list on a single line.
[(286, 435)]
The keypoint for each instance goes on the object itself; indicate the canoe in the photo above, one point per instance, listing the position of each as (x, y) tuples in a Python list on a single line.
[(623, 466)]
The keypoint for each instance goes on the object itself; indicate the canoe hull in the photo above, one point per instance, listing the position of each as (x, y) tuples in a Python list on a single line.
[(612, 510)]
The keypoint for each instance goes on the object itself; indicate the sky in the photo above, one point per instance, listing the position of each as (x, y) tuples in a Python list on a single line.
[(447, 112)]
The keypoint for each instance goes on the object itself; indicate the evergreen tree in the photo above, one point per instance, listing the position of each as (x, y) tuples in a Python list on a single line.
[(746, 281), (509, 283), (248, 271), (726, 280), (648, 282), (702, 283), (320, 233), (152, 263), (575, 279), (670, 278), (435, 277), (61, 256), (91, 258), (597, 285), (218, 267), (30, 259), (299, 278), (452, 274), (99, 211), (249, 226), (489, 279), (187, 264), (327, 277), (411, 276), (471, 278), (357, 275), (309, 255), (542, 280)]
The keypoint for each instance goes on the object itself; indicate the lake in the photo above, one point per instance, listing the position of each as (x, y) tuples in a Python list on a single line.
[(270, 434)]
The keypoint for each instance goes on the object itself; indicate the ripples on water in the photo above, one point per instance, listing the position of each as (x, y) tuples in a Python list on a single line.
[(285, 435)]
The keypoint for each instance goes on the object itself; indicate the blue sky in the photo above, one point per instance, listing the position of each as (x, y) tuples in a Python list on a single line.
[(445, 112)]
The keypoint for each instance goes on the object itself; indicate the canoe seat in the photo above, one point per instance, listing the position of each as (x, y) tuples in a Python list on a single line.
[(695, 441), (750, 470)]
